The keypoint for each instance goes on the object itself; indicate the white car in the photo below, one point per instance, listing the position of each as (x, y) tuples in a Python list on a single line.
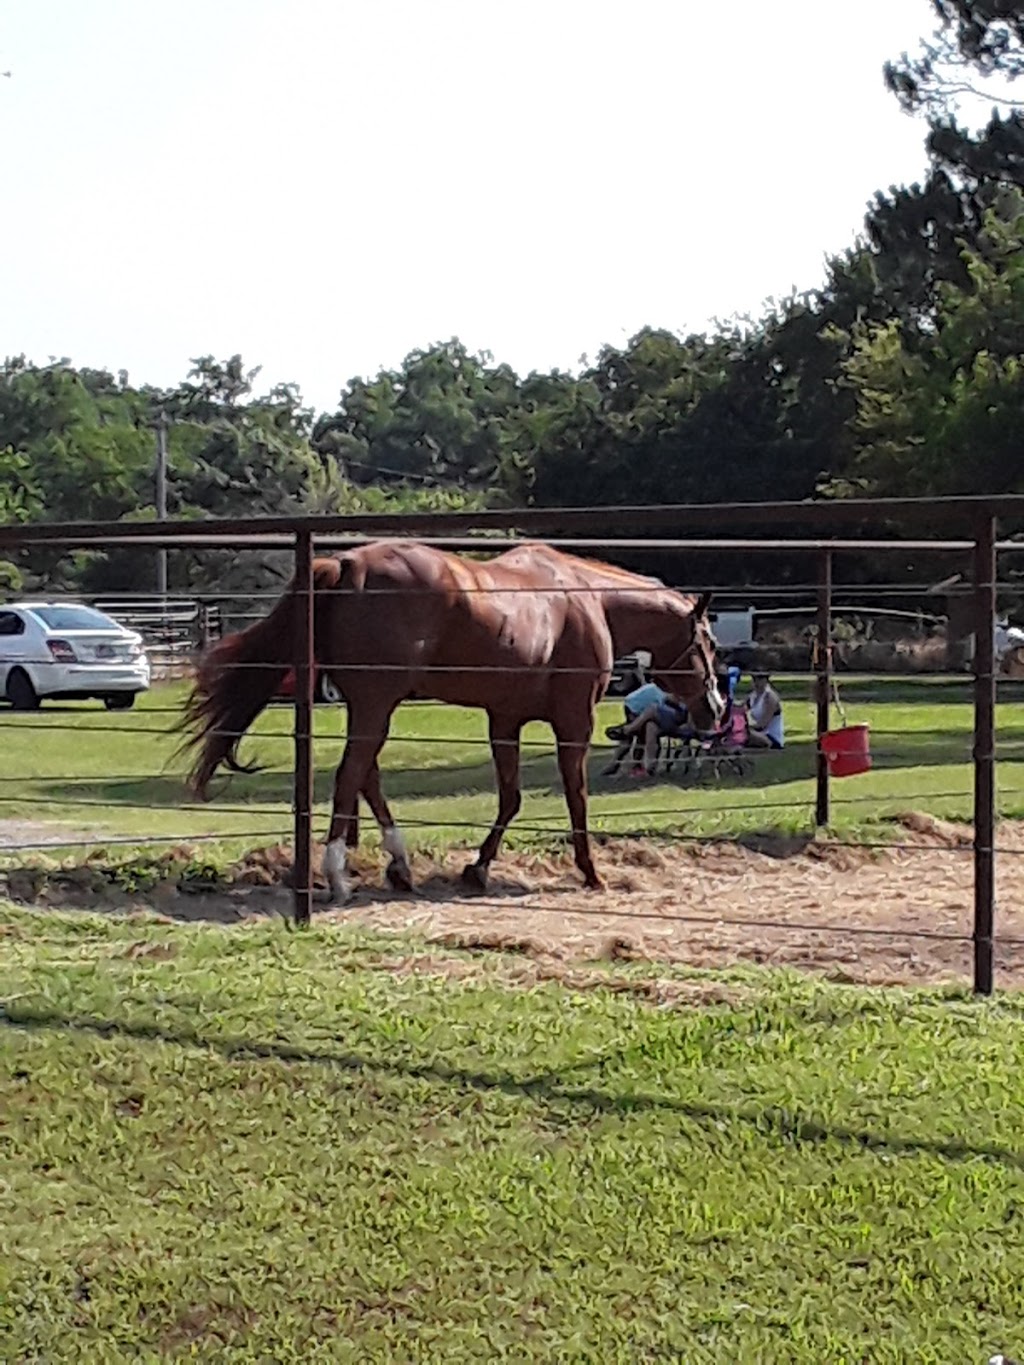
[(62, 649)]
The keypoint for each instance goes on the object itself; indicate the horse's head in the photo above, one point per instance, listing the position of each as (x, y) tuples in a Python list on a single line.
[(693, 676)]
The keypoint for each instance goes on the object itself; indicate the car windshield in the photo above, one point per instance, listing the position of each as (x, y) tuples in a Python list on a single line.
[(74, 618)]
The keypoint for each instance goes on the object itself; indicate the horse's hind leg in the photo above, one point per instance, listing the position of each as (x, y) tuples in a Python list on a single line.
[(505, 748), (352, 831), (398, 872), (368, 729)]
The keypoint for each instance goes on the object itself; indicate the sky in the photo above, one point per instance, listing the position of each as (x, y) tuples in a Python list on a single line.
[(326, 185)]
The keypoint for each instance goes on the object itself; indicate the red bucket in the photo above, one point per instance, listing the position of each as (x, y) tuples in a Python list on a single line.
[(846, 751)]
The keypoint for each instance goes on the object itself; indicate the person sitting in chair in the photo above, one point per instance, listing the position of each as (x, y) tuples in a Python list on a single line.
[(651, 712), (765, 728)]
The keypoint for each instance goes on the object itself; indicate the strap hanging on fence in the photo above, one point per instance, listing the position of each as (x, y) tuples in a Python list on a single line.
[(837, 701)]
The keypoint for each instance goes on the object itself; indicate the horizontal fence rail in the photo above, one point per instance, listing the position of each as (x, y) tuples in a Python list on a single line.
[(947, 512)]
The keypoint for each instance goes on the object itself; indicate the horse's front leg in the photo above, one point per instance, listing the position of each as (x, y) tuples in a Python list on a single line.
[(505, 749), (573, 741), (368, 729)]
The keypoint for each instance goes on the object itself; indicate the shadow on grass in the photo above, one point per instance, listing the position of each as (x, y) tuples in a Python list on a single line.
[(783, 1125), (892, 752)]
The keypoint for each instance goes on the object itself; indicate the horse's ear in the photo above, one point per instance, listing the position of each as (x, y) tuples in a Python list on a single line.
[(703, 602)]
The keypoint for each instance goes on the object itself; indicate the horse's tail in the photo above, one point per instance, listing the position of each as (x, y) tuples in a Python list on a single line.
[(236, 678)]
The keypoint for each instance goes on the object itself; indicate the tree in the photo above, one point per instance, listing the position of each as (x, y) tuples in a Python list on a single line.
[(976, 41), (436, 420), (79, 445), (977, 53), (944, 414)]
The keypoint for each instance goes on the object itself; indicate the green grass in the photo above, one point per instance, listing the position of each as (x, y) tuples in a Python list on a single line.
[(115, 773), (259, 1145)]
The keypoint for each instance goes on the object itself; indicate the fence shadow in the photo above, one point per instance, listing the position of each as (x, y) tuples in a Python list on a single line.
[(892, 751), (784, 1125)]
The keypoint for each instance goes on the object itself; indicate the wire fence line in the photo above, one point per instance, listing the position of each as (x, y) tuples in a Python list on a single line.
[(537, 746), (176, 601), (861, 681), (181, 600), (643, 585), (600, 812)]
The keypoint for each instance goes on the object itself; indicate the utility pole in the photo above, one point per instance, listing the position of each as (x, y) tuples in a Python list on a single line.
[(161, 500)]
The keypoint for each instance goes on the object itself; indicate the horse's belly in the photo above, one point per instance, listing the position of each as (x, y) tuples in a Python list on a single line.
[(491, 688)]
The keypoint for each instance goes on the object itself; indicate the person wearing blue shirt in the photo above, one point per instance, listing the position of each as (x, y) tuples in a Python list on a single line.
[(652, 712), (637, 701)]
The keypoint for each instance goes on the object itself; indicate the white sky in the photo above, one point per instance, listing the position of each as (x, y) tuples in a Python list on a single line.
[(324, 185)]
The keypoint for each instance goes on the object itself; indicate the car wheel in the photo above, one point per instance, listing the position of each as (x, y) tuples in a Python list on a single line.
[(20, 692), (119, 701)]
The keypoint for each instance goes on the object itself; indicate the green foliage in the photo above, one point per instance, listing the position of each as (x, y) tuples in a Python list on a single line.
[(439, 419), (71, 448), (943, 410), (80, 445), (10, 577), (20, 498)]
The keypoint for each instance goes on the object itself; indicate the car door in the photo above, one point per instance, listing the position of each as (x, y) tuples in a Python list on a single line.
[(12, 643)]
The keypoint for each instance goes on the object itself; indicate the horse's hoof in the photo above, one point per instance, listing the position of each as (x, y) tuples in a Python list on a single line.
[(330, 901), (474, 875), (594, 883), (398, 879)]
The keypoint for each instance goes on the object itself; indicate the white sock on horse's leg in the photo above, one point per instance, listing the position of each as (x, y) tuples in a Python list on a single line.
[(336, 870), (394, 843), (399, 873)]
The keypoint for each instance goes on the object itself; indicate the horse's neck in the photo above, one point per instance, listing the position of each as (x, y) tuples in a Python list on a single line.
[(645, 620)]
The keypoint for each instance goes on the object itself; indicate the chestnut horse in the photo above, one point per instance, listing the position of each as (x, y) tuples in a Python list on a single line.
[(528, 635)]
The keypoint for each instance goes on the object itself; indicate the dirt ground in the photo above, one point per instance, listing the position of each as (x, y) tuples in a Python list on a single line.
[(895, 915)]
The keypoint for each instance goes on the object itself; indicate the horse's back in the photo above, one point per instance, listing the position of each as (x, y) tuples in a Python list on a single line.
[(511, 629)]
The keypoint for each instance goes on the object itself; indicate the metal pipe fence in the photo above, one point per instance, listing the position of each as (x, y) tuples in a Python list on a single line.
[(975, 549)]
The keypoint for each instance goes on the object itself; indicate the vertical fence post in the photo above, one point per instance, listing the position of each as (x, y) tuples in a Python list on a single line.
[(821, 805), (984, 753), (160, 498), (304, 668)]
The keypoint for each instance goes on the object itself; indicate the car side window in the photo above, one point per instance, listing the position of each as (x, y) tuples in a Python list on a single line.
[(11, 624)]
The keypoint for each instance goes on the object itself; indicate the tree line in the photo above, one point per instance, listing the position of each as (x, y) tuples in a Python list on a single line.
[(901, 375)]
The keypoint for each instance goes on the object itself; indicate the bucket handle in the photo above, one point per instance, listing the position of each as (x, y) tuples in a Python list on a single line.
[(836, 699)]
